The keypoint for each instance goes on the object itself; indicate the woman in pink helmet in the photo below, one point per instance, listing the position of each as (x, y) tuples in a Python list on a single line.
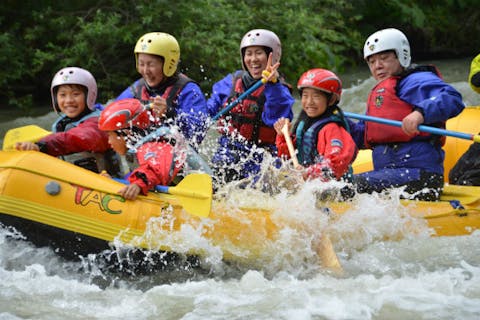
[(247, 129)]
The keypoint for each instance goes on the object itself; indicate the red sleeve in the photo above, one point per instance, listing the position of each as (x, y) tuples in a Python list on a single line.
[(85, 137), (157, 165), (282, 148), (338, 150)]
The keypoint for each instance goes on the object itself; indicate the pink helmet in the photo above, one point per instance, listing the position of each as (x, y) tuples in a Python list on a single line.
[(264, 38), (323, 80), (74, 75)]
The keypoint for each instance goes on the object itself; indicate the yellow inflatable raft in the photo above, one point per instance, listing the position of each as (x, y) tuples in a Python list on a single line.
[(52, 200)]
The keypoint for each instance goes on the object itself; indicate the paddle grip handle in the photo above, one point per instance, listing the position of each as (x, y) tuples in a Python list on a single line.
[(290, 146)]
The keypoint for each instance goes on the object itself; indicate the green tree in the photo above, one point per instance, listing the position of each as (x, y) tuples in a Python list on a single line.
[(40, 37)]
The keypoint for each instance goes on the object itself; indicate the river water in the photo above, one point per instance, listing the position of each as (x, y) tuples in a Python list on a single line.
[(416, 277)]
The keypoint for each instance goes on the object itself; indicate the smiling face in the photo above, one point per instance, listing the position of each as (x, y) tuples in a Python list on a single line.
[(71, 99), (255, 60), (314, 102), (384, 65), (151, 68)]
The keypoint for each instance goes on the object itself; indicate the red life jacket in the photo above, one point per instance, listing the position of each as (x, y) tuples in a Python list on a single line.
[(383, 102), (246, 116), (171, 89)]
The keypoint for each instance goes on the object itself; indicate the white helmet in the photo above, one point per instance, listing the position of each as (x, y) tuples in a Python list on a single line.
[(389, 39), (264, 38), (74, 75)]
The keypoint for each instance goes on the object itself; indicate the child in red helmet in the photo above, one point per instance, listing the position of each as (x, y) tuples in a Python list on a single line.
[(325, 147), (127, 123)]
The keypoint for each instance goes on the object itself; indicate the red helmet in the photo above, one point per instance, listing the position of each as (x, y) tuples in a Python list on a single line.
[(122, 114), (323, 80)]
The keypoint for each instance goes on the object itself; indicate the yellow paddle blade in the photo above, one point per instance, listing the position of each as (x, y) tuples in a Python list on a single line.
[(325, 249), (195, 193), (30, 133), (464, 194), (363, 162), (328, 256)]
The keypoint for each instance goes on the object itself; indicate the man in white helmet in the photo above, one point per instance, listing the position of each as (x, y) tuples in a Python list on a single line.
[(414, 95), (75, 136), (247, 129)]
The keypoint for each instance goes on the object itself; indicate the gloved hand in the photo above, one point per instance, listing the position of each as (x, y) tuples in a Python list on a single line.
[(268, 76)]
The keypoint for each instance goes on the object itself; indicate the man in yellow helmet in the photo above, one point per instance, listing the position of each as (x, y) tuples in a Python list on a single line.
[(467, 169), (175, 98), (474, 77)]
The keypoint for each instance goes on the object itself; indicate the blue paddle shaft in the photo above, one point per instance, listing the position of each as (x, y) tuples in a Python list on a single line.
[(159, 188), (232, 104), (162, 189), (423, 128)]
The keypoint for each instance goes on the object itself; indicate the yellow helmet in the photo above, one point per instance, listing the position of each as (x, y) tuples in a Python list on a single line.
[(160, 44)]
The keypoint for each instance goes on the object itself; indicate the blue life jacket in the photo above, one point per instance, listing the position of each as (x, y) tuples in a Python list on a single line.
[(307, 139)]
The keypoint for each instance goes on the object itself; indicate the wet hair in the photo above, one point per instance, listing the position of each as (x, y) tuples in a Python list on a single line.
[(267, 50), (327, 94), (382, 52), (132, 134), (161, 58), (71, 85)]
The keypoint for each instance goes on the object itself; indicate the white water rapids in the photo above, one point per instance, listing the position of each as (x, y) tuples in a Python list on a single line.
[(417, 277)]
